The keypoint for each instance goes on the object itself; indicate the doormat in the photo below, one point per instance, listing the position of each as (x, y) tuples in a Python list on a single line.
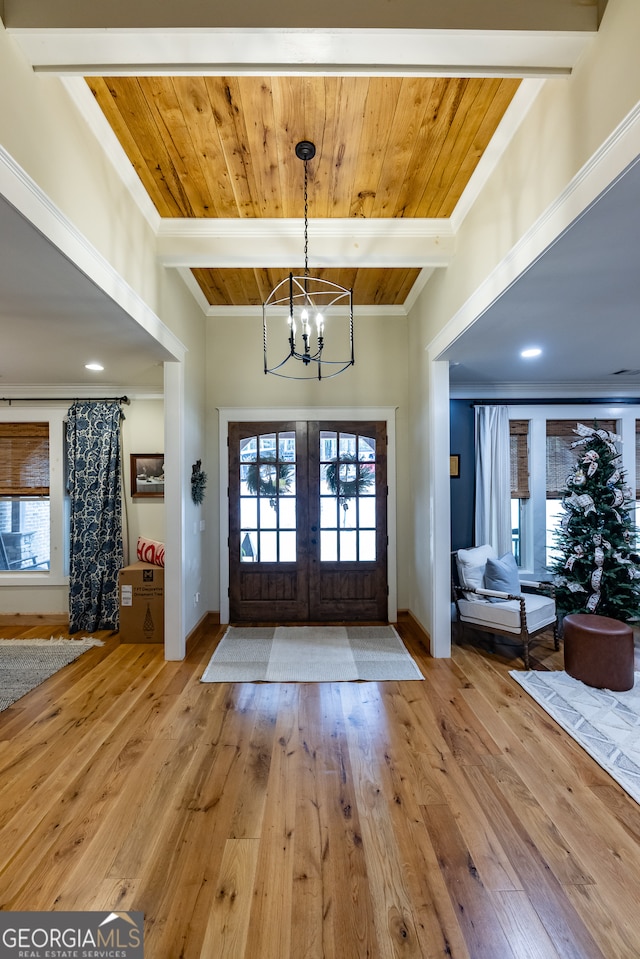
[(25, 663), (604, 723), (310, 654)]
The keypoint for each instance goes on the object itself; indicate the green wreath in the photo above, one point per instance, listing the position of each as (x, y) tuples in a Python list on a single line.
[(198, 482), (276, 480), (347, 489)]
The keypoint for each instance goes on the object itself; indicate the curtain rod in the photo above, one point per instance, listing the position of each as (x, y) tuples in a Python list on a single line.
[(564, 401), (65, 399)]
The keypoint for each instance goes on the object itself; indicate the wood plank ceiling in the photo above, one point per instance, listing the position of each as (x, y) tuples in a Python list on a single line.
[(208, 147)]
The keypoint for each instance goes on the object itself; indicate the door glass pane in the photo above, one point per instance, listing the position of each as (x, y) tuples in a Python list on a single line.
[(328, 512), (288, 547), (248, 546), (348, 551), (366, 448), (245, 475), (268, 547), (267, 445), (348, 517), (367, 514), (248, 512), (287, 446), (268, 513), (328, 546), (328, 445), (367, 545), (347, 444), (249, 449), (287, 511), (326, 471), (268, 498)]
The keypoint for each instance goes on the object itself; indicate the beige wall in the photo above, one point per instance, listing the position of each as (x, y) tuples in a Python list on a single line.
[(235, 378)]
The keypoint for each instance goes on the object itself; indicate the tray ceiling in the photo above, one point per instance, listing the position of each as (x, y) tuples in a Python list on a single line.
[(224, 147)]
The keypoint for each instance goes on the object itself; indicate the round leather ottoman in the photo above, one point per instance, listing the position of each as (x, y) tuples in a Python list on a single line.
[(598, 651)]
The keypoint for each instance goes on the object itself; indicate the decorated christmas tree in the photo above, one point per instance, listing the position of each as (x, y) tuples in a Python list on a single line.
[(598, 568)]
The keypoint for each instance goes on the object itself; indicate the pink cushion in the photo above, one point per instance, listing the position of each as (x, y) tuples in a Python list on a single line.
[(150, 551)]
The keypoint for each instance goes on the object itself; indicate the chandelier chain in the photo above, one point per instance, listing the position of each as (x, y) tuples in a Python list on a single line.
[(306, 231)]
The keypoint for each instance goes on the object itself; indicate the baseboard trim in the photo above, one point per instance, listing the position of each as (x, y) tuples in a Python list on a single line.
[(34, 619), (406, 618), (208, 622)]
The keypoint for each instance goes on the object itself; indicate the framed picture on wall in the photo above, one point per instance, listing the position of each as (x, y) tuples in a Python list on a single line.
[(147, 475)]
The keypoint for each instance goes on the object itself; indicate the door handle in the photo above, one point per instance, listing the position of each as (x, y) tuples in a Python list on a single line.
[(313, 529)]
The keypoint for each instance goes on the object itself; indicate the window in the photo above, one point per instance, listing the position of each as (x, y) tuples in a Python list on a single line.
[(519, 456), (561, 457), (24, 497)]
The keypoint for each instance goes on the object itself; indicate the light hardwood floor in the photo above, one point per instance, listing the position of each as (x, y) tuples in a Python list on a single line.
[(450, 817)]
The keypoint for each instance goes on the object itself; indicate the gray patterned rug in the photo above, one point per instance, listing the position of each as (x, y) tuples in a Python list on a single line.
[(604, 723), (25, 663), (310, 654)]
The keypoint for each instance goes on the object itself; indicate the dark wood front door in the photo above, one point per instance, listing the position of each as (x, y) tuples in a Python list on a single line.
[(307, 521)]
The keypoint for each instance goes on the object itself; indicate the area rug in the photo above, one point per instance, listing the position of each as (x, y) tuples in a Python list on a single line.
[(604, 723), (310, 654), (25, 663)]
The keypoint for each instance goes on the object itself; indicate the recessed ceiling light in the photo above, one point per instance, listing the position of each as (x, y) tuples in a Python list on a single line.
[(530, 353), (96, 367)]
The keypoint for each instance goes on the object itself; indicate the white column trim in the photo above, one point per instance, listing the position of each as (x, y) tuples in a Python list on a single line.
[(176, 492), (439, 625)]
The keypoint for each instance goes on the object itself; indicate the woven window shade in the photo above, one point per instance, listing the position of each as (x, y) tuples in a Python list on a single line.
[(24, 459), (561, 458), (519, 450), (637, 459)]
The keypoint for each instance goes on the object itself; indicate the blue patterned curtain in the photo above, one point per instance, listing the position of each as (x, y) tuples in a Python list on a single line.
[(96, 554)]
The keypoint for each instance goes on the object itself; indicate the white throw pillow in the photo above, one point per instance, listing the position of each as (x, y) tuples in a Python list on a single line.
[(471, 564)]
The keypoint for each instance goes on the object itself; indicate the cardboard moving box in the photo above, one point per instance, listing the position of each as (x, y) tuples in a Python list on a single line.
[(141, 590)]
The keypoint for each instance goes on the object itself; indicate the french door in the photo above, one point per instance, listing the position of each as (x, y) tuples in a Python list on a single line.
[(307, 521)]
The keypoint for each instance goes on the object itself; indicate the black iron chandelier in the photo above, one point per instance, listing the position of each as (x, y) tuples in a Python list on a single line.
[(301, 306)]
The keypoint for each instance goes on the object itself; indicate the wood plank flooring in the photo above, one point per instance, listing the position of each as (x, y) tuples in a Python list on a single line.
[(444, 818)]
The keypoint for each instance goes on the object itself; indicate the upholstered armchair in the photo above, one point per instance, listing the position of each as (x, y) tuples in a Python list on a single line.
[(489, 597)]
